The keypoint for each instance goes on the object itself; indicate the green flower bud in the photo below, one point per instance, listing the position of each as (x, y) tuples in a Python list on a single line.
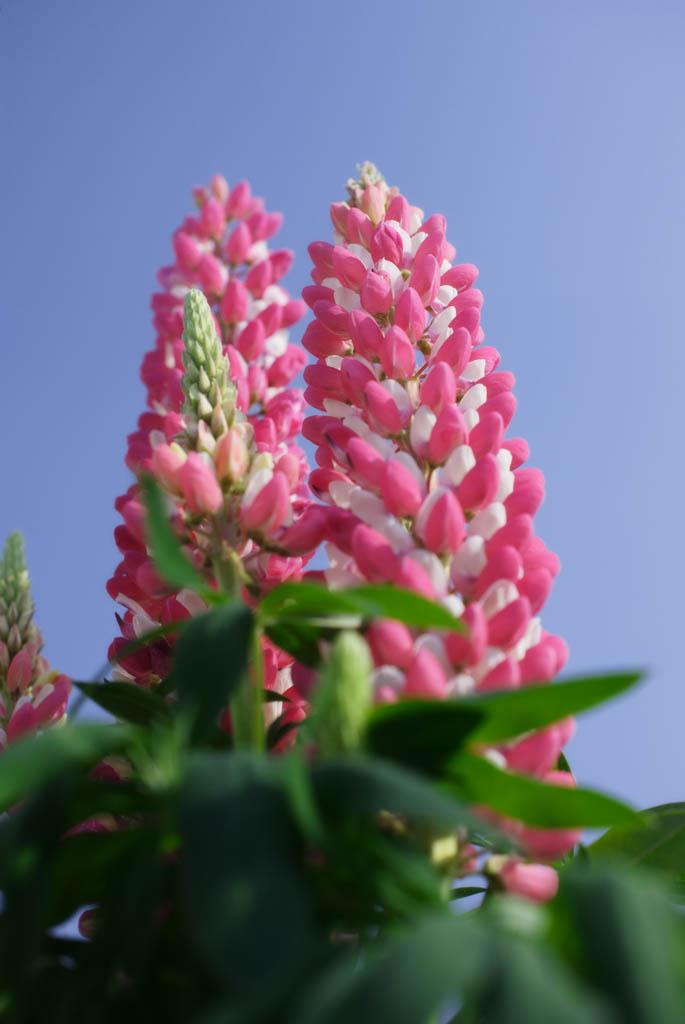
[(209, 393), (343, 697)]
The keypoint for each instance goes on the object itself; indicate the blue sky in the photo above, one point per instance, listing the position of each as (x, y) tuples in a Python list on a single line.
[(550, 135)]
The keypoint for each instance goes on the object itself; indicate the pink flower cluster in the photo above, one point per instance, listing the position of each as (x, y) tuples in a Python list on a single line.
[(424, 488), (239, 466), (32, 695)]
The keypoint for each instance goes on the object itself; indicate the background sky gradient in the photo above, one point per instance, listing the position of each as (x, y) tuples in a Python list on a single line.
[(550, 134)]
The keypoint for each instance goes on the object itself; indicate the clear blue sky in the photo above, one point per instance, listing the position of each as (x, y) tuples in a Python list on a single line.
[(550, 134)]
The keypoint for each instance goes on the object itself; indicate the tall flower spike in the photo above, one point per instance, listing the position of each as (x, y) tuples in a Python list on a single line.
[(424, 488), (32, 696)]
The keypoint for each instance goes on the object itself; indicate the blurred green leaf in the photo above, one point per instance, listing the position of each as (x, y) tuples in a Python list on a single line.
[(129, 702), (209, 663), (366, 786), (29, 763), (161, 633), (318, 604), (655, 839), (297, 638), (628, 937), (422, 734), (533, 802), (246, 898), (167, 554), (511, 713)]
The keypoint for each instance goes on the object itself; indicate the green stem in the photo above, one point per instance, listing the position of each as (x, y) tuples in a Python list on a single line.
[(246, 704)]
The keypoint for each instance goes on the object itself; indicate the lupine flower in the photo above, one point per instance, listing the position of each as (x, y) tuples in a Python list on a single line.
[(32, 695), (237, 505), (424, 486), (184, 438)]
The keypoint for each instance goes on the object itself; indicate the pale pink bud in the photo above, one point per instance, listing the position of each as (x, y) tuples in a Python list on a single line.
[(376, 292), (333, 317), (433, 245), (425, 278), (218, 186), (212, 274), (50, 703), (410, 314), (486, 436), (23, 721), (359, 227), (200, 488), (373, 554), (373, 203), (339, 213), (287, 366), (528, 493), (465, 649), (212, 217), (366, 462), (515, 533), (383, 407), (400, 490), (455, 350), (460, 277), (539, 664), (536, 585), (411, 576), (470, 319), (425, 676), (449, 432), (355, 376), (436, 222), (292, 311), (443, 531), (519, 450), (536, 882), (251, 340), (348, 268), (281, 261), (166, 464), (234, 302), (187, 251), (239, 244), (20, 671), (509, 625), (391, 643), (259, 278), (269, 508), (239, 200), (504, 564), (397, 354), (365, 333), (306, 533), (321, 342), (263, 225), (321, 255), (270, 317), (479, 486), (399, 210), (439, 389), (506, 675), (538, 752), (386, 244), (231, 457)]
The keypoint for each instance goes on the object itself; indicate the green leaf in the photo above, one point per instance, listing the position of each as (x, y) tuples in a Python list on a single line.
[(246, 898), (167, 554), (364, 786), (655, 839), (422, 734), (533, 802), (317, 604), (148, 638), (29, 763), (297, 638), (627, 936), (510, 713), (129, 702), (210, 661)]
